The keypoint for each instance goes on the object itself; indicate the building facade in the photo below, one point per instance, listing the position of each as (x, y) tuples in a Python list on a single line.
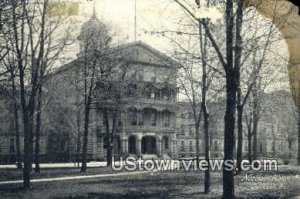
[(146, 122), (147, 117)]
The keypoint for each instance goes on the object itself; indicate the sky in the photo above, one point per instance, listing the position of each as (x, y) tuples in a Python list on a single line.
[(152, 16)]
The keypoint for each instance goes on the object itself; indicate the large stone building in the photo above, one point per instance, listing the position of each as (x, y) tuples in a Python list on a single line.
[(146, 106), (146, 121), (149, 119)]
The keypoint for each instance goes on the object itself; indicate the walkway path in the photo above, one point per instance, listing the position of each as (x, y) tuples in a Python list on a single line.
[(76, 177), (58, 165)]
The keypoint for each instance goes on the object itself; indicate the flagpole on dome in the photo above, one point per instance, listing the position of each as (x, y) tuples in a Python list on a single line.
[(94, 8), (135, 21)]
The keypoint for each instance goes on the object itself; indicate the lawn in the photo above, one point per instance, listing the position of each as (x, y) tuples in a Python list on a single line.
[(16, 174), (284, 183)]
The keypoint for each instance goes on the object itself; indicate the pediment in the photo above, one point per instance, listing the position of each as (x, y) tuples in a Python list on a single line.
[(138, 52)]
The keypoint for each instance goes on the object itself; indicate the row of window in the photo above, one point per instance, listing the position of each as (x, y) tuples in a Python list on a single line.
[(133, 118), (150, 93), (191, 146), (190, 128), (152, 77), (12, 145)]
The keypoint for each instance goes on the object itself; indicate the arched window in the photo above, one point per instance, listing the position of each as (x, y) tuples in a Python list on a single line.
[(273, 146), (182, 145), (12, 145), (133, 116), (260, 147), (166, 142), (153, 118), (166, 118), (191, 145), (140, 76), (216, 145), (131, 90), (182, 130), (105, 142)]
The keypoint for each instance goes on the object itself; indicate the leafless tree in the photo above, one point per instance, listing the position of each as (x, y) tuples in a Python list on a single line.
[(94, 57), (231, 66), (251, 64), (31, 41)]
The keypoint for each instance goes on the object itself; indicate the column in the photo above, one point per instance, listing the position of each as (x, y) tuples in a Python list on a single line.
[(161, 122), (138, 117), (138, 146), (174, 148), (124, 148), (158, 146)]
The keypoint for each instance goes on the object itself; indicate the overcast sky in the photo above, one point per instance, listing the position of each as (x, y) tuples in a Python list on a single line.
[(152, 15)]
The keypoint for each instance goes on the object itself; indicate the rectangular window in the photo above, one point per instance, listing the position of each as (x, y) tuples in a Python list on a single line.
[(182, 130), (133, 116), (153, 119), (133, 121), (166, 143), (12, 145), (273, 146), (191, 145), (182, 146), (153, 79), (141, 122), (119, 122), (141, 77), (167, 119), (216, 145), (191, 129)]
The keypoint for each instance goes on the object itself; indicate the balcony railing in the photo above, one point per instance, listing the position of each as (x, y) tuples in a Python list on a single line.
[(149, 128), (151, 101)]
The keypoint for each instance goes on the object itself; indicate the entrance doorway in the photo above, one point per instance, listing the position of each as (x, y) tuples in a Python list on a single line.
[(132, 144), (148, 145)]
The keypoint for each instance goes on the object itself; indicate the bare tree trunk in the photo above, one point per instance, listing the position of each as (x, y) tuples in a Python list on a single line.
[(203, 45), (88, 89), (237, 64), (228, 174), (26, 158), (240, 139), (207, 147), (85, 134), (255, 123), (250, 158), (249, 129), (31, 109), (254, 133), (240, 131), (25, 116), (298, 136), (197, 130), (231, 90), (16, 121), (114, 123), (108, 137), (38, 130), (78, 123)]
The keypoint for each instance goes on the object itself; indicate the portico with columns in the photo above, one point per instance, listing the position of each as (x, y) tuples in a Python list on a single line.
[(146, 121)]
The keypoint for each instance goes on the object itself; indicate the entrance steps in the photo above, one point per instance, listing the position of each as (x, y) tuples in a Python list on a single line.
[(165, 157)]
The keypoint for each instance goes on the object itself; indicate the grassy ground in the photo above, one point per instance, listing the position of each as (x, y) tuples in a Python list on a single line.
[(284, 183), (16, 174)]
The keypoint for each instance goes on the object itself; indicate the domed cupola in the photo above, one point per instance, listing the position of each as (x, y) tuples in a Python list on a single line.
[(93, 35)]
